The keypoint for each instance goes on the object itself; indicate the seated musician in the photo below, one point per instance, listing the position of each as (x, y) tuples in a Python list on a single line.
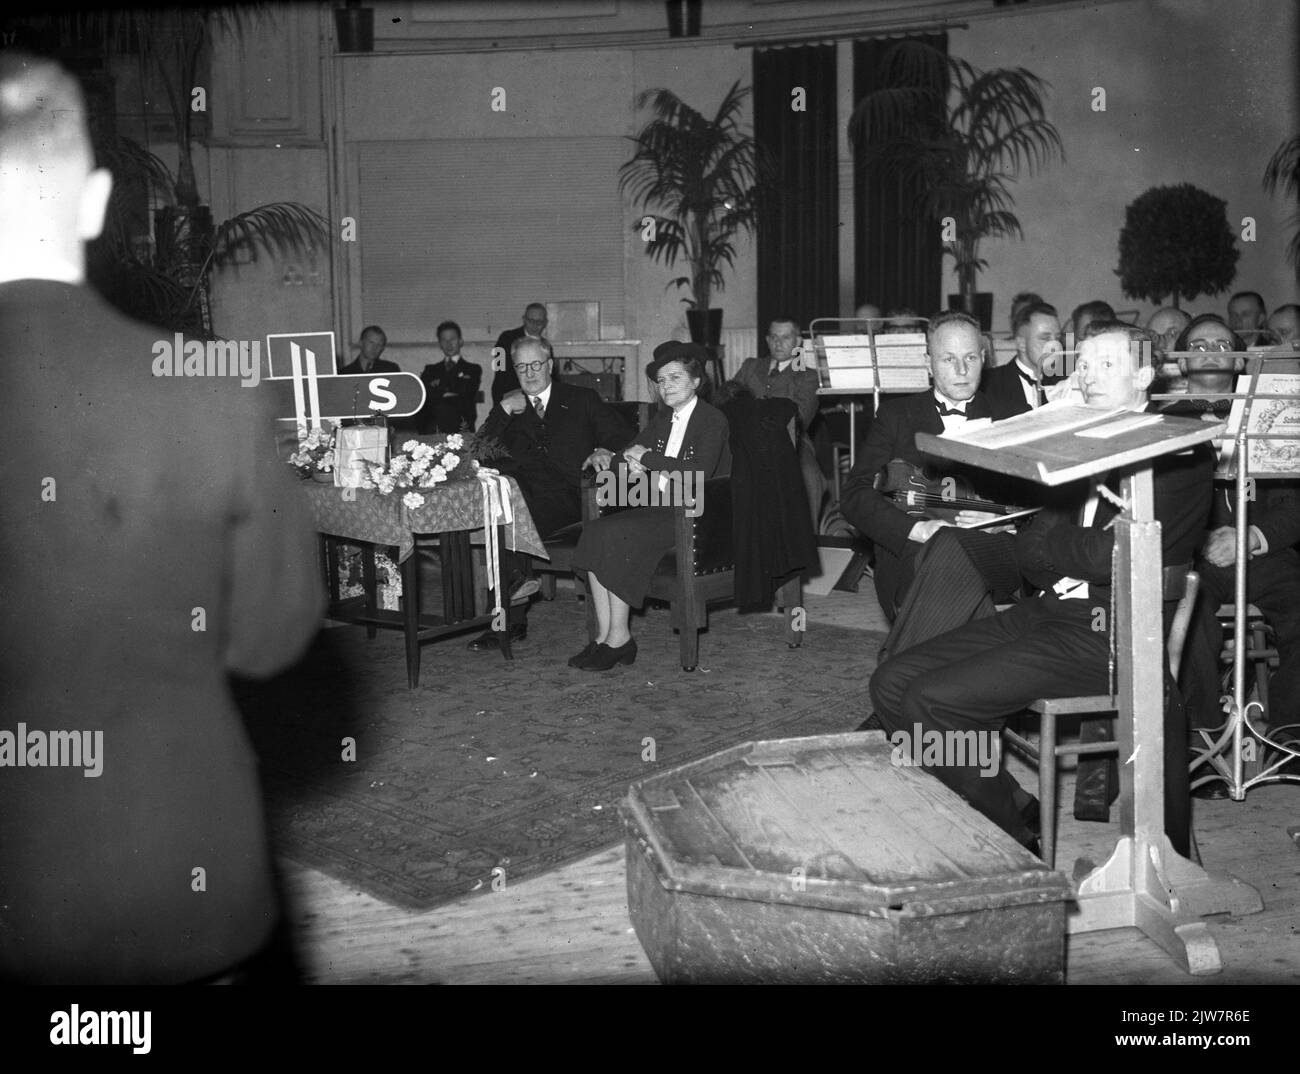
[(1273, 563), (898, 530), (1020, 385), (1057, 644), (620, 551)]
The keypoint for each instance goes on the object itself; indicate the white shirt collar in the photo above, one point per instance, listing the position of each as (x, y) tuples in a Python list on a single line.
[(452, 359), (544, 395), (1026, 369), (684, 415), (942, 401)]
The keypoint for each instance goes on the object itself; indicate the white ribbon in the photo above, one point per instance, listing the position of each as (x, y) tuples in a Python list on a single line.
[(497, 510)]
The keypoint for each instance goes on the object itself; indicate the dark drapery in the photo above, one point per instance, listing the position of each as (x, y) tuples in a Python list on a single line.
[(898, 257), (798, 230)]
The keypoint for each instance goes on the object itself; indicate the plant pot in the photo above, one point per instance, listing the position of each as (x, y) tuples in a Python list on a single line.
[(705, 326), (683, 18), (325, 477), (355, 28), (983, 311)]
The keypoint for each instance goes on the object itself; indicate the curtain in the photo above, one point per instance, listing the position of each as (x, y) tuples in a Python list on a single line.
[(798, 227), (898, 257)]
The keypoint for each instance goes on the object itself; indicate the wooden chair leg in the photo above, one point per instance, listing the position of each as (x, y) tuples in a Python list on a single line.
[(546, 584), (1047, 786)]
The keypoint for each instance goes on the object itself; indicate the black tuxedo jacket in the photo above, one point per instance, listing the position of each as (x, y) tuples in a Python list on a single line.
[(463, 380), (893, 436), (705, 447), (550, 453), (382, 365), (168, 497), (1275, 510), (1001, 386)]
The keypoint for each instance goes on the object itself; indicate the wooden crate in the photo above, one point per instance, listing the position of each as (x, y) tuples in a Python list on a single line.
[(818, 860)]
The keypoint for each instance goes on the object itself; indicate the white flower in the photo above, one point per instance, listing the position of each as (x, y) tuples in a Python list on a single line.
[(420, 451), (410, 445), (455, 441), (399, 465), (450, 462), (439, 473), (419, 466), (413, 500)]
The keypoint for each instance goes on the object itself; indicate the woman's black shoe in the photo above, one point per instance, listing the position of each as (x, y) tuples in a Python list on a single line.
[(580, 660), (605, 658)]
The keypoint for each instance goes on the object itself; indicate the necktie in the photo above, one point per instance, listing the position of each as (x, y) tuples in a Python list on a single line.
[(539, 406), (945, 410), (1038, 388)]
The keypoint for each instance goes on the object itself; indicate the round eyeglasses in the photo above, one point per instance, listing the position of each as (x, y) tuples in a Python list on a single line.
[(1203, 345), (530, 367)]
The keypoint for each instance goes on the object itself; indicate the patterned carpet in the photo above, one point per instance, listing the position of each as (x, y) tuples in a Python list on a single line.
[(497, 771)]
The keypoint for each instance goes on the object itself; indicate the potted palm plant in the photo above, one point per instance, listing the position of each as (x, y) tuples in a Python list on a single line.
[(1283, 172), (697, 180), (959, 137), (164, 277)]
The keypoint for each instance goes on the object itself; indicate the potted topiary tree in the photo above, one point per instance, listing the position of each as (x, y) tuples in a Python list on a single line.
[(1176, 243), (703, 175), (958, 136)]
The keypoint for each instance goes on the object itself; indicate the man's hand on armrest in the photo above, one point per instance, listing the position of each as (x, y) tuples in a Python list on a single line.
[(599, 460), (513, 402)]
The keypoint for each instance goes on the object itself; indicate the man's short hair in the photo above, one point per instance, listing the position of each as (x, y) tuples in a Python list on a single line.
[(1259, 299), (529, 341), (1290, 307), (373, 328), (785, 320), (535, 306), (1034, 309), (1025, 298), (449, 325), (946, 317), (1185, 336), (1096, 309), (42, 113)]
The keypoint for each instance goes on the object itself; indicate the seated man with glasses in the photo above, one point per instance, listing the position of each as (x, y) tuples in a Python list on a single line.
[(553, 432)]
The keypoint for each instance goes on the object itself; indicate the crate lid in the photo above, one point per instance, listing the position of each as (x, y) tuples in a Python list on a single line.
[(831, 821)]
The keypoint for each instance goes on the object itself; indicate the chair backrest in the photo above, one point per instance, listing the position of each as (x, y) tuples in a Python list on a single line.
[(705, 539)]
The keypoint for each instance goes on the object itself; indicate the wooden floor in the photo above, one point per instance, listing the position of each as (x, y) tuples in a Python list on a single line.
[(571, 926)]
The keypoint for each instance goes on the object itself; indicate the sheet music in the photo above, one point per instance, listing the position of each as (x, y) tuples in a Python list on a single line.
[(1048, 419)]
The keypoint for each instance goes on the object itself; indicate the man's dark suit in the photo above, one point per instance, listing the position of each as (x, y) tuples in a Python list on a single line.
[(546, 456), (893, 436), (974, 677), (441, 412), (382, 365), (173, 547), (1272, 585), (1001, 386)]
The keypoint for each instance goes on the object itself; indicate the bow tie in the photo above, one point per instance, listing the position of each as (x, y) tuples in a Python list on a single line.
[(945, 410), (1218, 407), (1023, 375)]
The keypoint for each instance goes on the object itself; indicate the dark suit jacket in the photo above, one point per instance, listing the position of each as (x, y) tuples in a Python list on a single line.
[(1001, 386), (801, 386), (546, 457), (893, 436), (1051, 546), (705, 447), (440, 378), (175, 547), (382, 365), (1275, 510)]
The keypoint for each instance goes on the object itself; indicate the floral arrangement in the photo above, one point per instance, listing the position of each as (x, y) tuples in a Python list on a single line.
[(315, 453), (423, 465)]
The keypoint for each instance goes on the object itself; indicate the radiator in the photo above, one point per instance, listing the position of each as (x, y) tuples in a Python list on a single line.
[(738, 344)]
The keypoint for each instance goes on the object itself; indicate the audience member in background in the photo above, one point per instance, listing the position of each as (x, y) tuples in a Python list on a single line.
[(1210, 370), (1020, 301), (973, 678), (534, 327), (169, 554), (867, 312), (1165, 325), (368, 360), (1284, 323), (1247, 316), (1085, 314), (553, 431), (1018, 386), (902, 319), (782, 375), (620, 551), (452, 386)]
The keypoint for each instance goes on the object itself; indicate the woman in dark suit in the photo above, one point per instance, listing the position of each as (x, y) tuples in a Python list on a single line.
[(620, 551)]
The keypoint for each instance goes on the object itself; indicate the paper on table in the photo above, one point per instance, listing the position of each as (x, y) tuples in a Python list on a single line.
[(1046, 420), (1114, 428)]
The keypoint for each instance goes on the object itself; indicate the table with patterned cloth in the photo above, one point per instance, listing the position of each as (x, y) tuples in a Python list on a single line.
[(452, 512)]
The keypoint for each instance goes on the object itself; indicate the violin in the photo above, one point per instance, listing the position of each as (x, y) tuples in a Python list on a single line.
[(908, 486)]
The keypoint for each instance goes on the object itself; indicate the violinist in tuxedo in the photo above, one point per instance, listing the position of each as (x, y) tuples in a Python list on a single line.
[(1019, 386), (451, 387), (956, 359), (1054, 644), (553, 431)]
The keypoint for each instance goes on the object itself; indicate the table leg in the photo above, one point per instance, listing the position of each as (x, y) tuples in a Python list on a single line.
[(411, 617), (504, 639), (370, 582)]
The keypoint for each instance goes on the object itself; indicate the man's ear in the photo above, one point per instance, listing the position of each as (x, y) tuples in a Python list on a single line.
[(1022, 347), (1145, 375), (95, 193), (1182, 366), (1238, 365)]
